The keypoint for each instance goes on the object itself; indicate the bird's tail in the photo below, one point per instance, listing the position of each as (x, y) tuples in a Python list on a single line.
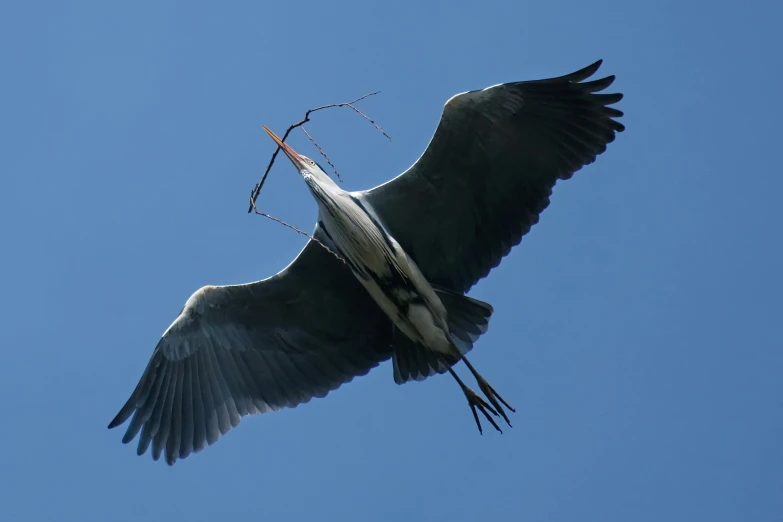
[(468, 320)]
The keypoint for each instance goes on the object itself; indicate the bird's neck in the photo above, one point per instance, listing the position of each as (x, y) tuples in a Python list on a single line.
[(321, 185)]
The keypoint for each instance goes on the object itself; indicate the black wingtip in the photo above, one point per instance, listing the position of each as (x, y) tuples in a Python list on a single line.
[(583, 74), (597, 85), (117, 421), (124, 414)]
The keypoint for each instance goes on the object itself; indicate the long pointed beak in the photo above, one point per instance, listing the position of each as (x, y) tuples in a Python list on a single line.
[(291, 153)]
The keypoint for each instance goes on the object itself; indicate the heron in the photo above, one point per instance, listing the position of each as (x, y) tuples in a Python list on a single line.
[(384, 275)]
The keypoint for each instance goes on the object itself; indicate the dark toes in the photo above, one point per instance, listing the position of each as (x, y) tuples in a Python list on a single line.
[(493, 397), (474, 401)]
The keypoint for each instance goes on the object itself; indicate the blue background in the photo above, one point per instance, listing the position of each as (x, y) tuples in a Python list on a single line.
[(636, 328)]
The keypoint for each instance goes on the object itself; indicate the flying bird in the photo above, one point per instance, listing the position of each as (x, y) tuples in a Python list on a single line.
[(385, 275)]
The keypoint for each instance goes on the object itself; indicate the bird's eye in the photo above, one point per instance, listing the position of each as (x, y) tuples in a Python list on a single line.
[(312, 163)]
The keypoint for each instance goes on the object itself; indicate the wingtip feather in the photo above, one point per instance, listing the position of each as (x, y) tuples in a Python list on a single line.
[(583, 74), (123, 415)]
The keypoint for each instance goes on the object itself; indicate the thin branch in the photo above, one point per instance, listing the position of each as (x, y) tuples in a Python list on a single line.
[(368, 118), (322, 153), (295, 229), (257, 189)]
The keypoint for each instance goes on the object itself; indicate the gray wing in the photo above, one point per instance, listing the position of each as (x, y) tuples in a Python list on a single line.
[(248, 349), (489, 171)]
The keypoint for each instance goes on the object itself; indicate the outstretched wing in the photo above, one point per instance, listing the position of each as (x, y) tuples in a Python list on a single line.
[(489, 171), (248, 349)]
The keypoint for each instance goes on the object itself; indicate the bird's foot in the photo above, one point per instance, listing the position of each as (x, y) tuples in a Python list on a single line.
[(494, 397), (490, 392), (477, 403)]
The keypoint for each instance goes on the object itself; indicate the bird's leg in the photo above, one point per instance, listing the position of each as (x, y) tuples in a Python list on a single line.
[(474, 401), (490, 392)]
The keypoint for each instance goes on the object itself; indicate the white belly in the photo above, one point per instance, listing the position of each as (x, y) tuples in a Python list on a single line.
[(418, 324), (435, 338)]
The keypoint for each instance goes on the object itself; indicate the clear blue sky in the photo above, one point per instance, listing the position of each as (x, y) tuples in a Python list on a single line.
[(637, 327)]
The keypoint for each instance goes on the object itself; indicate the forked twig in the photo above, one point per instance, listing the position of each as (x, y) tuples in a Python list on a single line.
[(257, 189)]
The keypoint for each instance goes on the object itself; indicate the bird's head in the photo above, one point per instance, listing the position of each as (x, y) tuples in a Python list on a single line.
[(308, 168)]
